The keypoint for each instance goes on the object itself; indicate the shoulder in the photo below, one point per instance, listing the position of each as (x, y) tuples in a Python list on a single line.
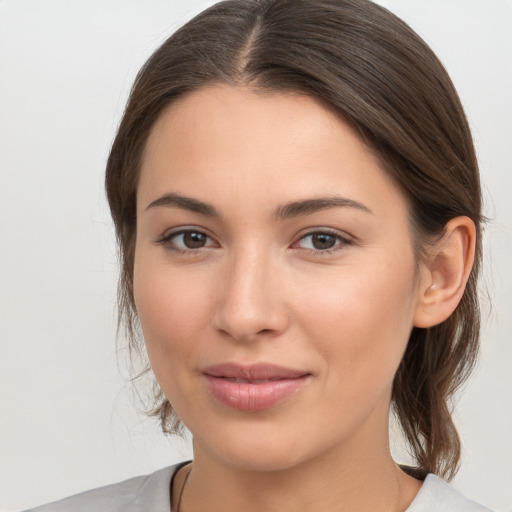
[(437, 496), (147, 493)]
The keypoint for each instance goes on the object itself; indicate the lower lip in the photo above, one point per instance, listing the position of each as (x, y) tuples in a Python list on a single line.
[(253, 396)]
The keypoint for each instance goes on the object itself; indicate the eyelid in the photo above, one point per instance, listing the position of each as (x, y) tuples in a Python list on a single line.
[(166, 239), (343, 238)]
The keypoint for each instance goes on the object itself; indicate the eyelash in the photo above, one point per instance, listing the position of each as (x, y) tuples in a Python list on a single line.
[(167, 241), (342, 241)]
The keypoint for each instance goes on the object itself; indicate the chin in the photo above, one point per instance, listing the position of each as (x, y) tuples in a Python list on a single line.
[(257, 447)]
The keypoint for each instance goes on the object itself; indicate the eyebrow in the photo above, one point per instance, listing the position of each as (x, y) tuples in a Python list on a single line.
[(309, 206), (285, 211), (186, 203)]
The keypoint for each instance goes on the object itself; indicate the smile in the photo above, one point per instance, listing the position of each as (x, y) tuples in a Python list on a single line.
[(253, 388)]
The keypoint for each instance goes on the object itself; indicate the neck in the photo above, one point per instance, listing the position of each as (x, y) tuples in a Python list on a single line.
[(343, 480)]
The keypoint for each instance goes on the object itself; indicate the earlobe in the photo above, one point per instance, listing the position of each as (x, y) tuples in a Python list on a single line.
[(446, 272)]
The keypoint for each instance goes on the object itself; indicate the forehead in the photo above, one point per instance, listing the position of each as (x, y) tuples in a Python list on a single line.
[(230, 144)]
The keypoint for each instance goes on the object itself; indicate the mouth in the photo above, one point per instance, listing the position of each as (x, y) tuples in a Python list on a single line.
[(254, 387)]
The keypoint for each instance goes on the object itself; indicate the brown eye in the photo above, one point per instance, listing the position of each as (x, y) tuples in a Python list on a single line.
[(322, 241), (187, 241), (326, 242), (194, 239)]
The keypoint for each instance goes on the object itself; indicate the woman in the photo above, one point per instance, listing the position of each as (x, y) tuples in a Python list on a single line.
[(297, 203)]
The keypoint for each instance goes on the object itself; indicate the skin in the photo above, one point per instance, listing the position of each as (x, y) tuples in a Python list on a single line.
[(257, 291)]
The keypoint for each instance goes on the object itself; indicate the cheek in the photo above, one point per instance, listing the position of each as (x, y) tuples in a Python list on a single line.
[(171, 309), (361, 322)]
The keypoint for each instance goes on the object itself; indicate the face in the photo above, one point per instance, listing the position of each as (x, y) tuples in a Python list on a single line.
[(275, 277)]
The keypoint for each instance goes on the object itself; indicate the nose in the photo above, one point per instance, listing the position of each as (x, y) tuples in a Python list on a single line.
[(250, 298)]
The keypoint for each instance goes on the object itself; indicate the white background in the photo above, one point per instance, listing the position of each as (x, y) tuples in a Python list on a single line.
[(66, 419)]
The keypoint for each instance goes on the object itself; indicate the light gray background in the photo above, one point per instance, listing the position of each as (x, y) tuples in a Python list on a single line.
[(66, 420)]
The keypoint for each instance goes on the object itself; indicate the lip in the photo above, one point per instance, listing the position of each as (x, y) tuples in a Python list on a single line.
[(253, 387)]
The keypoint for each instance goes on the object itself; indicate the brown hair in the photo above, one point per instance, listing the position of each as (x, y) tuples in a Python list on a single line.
[(380, 76)]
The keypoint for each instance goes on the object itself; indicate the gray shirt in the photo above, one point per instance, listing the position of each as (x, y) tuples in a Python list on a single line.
[(151, 493)]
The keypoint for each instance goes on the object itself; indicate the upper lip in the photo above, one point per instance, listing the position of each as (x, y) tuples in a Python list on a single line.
[(253, 372)]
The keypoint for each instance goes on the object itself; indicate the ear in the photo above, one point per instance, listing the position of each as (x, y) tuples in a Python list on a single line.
[(445, 273)]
